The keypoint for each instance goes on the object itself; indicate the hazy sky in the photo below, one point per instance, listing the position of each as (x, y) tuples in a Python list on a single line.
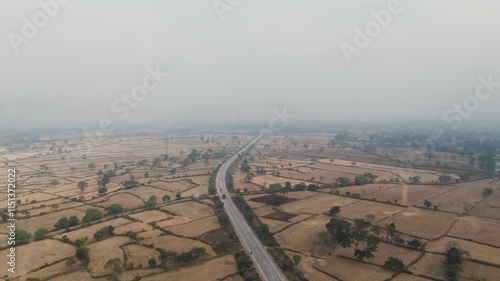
[(264, 54)]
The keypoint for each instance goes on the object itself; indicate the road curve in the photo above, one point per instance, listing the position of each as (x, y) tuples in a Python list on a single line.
[(262, 260)]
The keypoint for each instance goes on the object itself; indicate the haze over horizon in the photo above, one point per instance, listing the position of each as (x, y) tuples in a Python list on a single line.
[(263, 55)]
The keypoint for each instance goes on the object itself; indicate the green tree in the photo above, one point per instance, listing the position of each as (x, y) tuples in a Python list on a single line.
[(427, 203), (223, 218), (116, 268), (62, 223), (415, 179), (414, 243), (114, 209), (487, 191), (343, 181), (296, 259), (69, 262), (40, 233), (103, 233), (22, 236), (82, 254), (444, 179), (339, 229), (72, 221), (91, 215), (454, 259), (334, 210), (152, 263), (165, 198), (394, 264), (151, 202), (102, 190)]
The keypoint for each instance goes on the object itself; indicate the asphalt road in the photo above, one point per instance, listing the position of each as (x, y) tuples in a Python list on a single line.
[(262, 260)]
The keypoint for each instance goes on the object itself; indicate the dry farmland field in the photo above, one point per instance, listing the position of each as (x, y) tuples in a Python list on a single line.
[(156, 194), (142, 198)]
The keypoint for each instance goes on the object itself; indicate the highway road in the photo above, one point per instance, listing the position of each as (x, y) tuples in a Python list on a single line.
[(262, 260)]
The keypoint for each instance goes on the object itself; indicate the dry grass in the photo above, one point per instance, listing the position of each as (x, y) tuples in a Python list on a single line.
[(144, 192), (344, 269), (139, 255), (361, 209), (302, 236), (102, 251), (173, 186), (317, 204), (214, 269), (306, 265), (406, 277), (430, 265), (80, 275), (36, 254), (177, 244), (196, 228), (415, 193), (151, 216), (477, 251), (477, 229), (421, 223), (124, 199), (186, 212)]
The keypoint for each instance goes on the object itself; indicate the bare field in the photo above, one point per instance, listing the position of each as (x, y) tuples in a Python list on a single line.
[(343, 269), (362, 208), (151, 216), (144, 192), (455, 200), (173, 186), (317, 204), (100, 252), (36, 254), (477, 251), (415, 194), (177, 244), (302, 236), (214, 269), (477, 229), (306, 265), (124, 199), (490, 206), (137, 255), (195, 228), (46, 272), (474, 271), (80, 275), (421, 223), (186, 212), (364, 189)]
